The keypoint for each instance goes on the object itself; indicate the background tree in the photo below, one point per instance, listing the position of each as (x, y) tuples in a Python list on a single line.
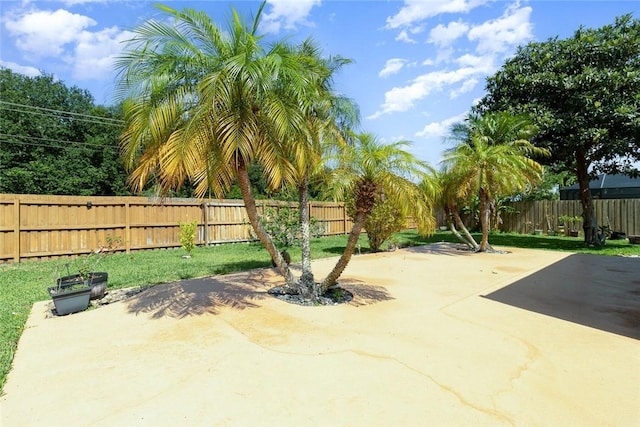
[(54, 140), (583, 95), (492, 158)]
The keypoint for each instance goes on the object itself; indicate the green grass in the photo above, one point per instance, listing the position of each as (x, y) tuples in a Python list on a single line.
[(23, 284), (528, 241)]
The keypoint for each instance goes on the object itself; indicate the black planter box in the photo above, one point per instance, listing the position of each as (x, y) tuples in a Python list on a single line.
[(97, 281), (70, 297)]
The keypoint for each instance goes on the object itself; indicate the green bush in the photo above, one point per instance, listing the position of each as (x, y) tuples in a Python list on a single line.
[(384, 220), (187, 236), (283, 225)]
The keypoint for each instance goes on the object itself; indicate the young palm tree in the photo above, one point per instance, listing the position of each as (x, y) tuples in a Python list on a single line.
[(492, 158), (203, 102), (448, 200), (368, 170)]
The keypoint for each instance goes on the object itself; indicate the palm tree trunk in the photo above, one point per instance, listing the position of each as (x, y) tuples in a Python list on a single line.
[(308, 287), (448, 209), (485, 216), (252, 212), (352, 241), (469, 238)]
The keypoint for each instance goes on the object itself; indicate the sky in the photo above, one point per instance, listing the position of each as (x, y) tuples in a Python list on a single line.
[(418, 65)]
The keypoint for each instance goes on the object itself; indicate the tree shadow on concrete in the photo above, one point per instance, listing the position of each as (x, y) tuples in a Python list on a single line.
[(442, 248), (364, 294), (597, 291), (206, 295), (239, 291)]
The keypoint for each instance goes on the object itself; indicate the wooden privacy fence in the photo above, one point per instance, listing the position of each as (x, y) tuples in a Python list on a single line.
[(620, 214), (39, 227)]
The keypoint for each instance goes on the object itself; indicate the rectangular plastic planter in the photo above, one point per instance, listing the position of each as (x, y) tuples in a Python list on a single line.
[(68, 300)]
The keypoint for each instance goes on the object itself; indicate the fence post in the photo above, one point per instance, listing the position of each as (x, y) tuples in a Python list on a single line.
[(16, 229), (127, 227), (205, 219)]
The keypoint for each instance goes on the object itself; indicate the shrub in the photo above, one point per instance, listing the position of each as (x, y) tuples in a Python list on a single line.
[(187, 235), (283, 225)]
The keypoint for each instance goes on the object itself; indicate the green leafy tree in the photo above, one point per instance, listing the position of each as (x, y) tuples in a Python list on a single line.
[(584, 95), (54, 140), (492, 158)]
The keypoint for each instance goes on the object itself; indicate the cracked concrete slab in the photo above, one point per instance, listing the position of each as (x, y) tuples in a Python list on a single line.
[(434, 336)]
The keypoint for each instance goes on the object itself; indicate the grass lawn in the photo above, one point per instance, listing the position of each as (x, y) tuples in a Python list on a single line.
[(23, 284)]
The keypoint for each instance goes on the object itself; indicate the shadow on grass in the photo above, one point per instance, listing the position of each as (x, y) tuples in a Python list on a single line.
[(597, 291)]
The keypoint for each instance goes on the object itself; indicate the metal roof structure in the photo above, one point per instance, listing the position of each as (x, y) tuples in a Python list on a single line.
[(606, 186)]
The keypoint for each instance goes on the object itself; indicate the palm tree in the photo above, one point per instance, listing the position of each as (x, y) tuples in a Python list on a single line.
[(368, 170), (448, 200), (492, 158), (327, 118), (203, 103)]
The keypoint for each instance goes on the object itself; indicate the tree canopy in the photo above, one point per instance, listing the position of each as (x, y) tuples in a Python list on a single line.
[(55, 140), (584, 95)]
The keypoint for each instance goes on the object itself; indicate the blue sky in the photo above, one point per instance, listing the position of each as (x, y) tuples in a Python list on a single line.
[(419, 65)]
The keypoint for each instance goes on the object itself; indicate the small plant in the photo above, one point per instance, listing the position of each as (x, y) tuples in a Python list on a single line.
[(187, 236), (283, 225), (87, 264), (570, 223)]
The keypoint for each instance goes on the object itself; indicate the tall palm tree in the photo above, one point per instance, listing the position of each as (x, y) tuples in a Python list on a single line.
[(493, 158), (367, 170), (327, 118), (203, 102)]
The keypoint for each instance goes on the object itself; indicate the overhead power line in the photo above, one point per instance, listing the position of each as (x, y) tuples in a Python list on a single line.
[(49, 112), (6, 135)]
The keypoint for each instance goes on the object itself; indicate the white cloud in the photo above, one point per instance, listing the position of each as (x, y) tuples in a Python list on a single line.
[(499, 35), (95, 52), (46, 33), (287, 14), (440, 129), (66, 36), (21, 69), (403, 36), (400, 99), (392, 66), (445, 35), (467, 86), (483, 63), (443, 55), (417, 10)]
